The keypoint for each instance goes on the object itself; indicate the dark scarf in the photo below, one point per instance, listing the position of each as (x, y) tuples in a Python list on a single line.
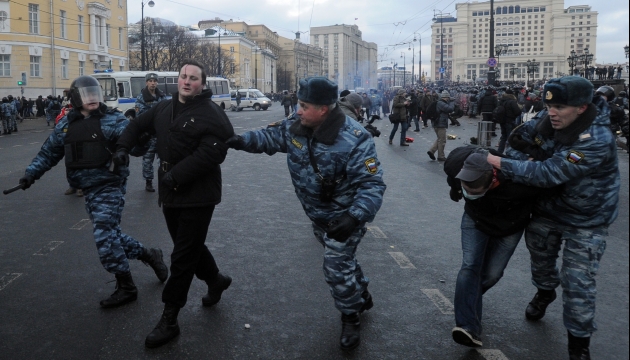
[(327, 132), (571, 133), (147, 97)]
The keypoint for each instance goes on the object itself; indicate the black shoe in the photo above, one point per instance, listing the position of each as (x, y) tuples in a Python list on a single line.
[(215, 290), (578, 348), (417, 130), (431, 155), (166, 329), (537, 307), (466, 338), (149, 186), (15, 129), (404, 144), (368, 303), (155, 259), (350, 331), (126, 292)]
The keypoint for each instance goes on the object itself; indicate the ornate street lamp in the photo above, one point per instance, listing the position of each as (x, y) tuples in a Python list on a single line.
[(441, 41), (626, 49), (402, 55), (142, 50)]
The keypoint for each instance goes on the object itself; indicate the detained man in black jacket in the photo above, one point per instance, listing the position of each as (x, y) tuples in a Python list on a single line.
[(190, 131), (496, 213)]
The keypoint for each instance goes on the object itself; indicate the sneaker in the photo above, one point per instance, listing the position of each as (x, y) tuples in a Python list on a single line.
[(431, 155), (441, 159), (466, 338)]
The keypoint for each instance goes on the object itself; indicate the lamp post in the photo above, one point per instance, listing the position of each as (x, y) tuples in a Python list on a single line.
[(441, 42), (512, 72), (256, 67), (413, 61), (457, 79), (588, 57), (532, 67), (474, 76), (499, 50), (626, 49), (491, 71), (572, 60), (420, 58), (402, 55), (142, 50)]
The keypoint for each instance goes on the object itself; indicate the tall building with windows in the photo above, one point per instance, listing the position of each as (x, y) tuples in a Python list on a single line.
[(44, 45), (538, 30), (348, 59)]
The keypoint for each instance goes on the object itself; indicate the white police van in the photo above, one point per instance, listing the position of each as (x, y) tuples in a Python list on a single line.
[(120, 89), (250, 98)]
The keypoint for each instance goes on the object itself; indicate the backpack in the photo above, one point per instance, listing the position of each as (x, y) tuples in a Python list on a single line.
[(432, 112), (498, 114), (55, 105)]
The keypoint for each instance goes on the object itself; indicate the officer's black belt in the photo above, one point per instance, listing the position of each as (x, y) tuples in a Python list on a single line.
[(165, 166)]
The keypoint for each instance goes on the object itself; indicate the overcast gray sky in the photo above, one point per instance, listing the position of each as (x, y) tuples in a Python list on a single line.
[(387, 23)]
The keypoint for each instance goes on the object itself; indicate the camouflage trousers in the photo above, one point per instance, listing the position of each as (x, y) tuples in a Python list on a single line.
[(581, 254), (104, 205), (12, 122), (5, 123), (148, 158), (342, 270)]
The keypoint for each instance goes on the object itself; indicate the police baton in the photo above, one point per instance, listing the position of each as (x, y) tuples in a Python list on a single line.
[(15, 188)]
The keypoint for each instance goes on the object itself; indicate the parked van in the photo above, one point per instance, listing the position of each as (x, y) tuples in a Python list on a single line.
[(251, 98)]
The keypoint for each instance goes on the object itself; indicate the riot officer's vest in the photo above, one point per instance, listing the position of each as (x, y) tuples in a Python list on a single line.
[(86, 146)]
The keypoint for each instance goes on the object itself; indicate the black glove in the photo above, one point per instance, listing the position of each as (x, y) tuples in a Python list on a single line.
[(236, 142), (342, 227), (456, 195), (373, 130), (26, 181), (121, 157), (169, 182)]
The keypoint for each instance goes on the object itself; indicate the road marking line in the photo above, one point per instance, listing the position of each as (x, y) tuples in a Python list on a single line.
[(16, 145), (80, 225), (376, 232), (7, 279), (48, 248), (36, 142), (492, 354), (402, 260), (440, 301)]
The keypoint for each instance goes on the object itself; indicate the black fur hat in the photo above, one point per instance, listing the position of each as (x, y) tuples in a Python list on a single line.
[(568, 90), (317, 90)]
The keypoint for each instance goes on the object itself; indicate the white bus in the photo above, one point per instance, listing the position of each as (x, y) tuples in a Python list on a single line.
[(120, 89)]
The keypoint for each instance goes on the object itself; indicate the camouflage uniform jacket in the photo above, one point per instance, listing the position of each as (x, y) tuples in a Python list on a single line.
[(113, 123), (145, 100), (6, 109), (343, 151), (582, 158)]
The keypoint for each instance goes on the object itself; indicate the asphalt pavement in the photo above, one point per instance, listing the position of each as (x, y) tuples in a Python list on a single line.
[(279, 306)]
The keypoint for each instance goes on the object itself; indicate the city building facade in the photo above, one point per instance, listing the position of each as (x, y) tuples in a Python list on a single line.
[(348, 59), (542, 31), (298, 61), (44, 59)]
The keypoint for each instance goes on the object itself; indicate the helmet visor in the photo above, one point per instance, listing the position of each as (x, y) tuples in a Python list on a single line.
[(90, 94)]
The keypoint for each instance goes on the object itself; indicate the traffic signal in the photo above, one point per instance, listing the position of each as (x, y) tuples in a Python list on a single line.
[(23, 81)]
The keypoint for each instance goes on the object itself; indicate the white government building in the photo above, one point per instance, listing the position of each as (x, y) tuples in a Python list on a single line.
[(540, 30)]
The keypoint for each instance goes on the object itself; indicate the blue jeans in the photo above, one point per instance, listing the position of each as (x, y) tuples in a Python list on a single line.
[(404, 125), (484, 259)]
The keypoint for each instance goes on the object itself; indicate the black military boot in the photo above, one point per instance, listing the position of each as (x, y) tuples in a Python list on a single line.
[(126, 291), (578, 348), (154, 259), (216, 289), (149, 186), (166, 329), (350, 331), (537, 307)]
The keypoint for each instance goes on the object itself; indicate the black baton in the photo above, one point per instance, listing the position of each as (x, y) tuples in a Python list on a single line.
[(15, 188)]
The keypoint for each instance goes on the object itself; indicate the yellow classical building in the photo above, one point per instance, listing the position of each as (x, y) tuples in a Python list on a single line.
[(44, 45)]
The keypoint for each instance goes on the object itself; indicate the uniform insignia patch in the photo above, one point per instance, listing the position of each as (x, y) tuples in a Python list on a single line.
[(585, 136), (575, 157), (538, 140), (370, 165), (357, 133), (274, 124), (296, 144), (65, 130), (548, 95)]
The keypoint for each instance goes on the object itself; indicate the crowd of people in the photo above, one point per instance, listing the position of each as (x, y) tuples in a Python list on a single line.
[(15, 109), (526, 186)]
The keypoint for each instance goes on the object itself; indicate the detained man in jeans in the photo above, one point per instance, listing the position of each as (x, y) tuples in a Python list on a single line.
[(496, 213)]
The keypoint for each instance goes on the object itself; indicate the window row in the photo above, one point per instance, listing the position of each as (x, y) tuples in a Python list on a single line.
[(511, 10), (35, 66)]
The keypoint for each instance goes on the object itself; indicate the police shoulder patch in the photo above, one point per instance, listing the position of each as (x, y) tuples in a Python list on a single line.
[(357, 133), (575, 157), (275, 124), (370, 165), (585, 136), (297, 144)]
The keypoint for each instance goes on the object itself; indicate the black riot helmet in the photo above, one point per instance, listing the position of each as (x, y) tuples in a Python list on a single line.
[(606, 91), (5, 100), (85, 90), (10, 97)]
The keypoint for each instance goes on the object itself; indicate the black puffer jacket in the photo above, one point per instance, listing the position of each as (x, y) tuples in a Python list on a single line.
[(488, 102), (192, 137), (505, 209)]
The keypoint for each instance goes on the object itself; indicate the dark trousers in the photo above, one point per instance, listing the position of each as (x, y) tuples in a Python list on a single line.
[(188, 228)]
